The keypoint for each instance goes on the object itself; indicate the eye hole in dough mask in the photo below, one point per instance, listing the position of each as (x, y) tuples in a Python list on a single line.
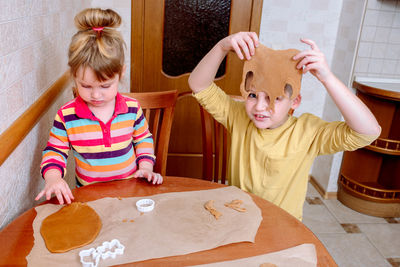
[(270, 71)]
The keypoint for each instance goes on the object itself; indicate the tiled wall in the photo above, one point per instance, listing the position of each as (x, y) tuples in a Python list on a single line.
[(35, 36), (33, 47), (284, 22), (379, 49)]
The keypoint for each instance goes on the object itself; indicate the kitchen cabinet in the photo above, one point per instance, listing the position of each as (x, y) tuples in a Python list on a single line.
[(369, 179)]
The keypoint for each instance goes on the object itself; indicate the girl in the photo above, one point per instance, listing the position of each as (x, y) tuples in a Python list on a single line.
[(106, 131)]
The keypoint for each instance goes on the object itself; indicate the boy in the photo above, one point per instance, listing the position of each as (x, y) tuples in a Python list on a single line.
[(272, 151)]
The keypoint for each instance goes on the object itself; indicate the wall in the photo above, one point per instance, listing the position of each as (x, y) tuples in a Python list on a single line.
[(379, 50), (284, 22), (35, 36)]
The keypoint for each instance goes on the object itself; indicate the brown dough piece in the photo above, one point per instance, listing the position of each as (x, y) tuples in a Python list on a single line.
[(268, 265), (235, 204), (73, 226), (269, 71), (209, 205)]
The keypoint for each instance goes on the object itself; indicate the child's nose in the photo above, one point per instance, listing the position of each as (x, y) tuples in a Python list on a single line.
[(95, 93), (262, 103)]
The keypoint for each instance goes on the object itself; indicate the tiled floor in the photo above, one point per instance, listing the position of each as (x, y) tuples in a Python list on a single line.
[(352, 238)]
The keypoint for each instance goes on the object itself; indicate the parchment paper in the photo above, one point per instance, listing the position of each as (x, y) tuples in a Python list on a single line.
[(300, 256), (178, 225)]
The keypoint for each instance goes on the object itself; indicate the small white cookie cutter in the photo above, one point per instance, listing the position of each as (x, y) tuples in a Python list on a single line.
[(106, 250), (145, 205)]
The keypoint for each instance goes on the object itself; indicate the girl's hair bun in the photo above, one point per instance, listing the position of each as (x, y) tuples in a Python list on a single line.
[(97, 44), (95, 17)]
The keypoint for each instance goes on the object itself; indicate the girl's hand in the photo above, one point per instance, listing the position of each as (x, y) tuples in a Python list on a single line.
[(59, 187), (242, 43), (151, 176), (313, 60)]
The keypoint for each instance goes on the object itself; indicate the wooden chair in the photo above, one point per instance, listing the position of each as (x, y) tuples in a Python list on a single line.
[(158, 108), (215, 148), (215, 144)]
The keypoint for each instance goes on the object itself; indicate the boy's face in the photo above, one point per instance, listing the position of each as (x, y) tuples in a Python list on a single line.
[(259, 111), (270, 71), (94, 92)]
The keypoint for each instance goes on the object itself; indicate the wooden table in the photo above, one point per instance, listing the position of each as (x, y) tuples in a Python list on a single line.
[(278, 229)]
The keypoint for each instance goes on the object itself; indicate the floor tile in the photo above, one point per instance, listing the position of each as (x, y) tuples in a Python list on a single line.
[(352, 250), (319, 220), (369, 241), (346, 215), (385, 237)]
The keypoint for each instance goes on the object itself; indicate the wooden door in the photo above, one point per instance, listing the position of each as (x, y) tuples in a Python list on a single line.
[(147, 73)]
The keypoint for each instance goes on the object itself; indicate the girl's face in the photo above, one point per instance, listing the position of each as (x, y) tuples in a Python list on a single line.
[(257, 108), (94, 92)]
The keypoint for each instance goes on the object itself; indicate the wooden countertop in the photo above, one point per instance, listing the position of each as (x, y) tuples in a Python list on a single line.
[(382, 88)]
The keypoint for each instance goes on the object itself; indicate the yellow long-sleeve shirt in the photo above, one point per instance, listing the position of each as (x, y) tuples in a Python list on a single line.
[(275, 163)]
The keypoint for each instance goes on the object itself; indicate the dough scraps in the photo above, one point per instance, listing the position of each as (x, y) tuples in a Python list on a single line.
[(209, 205), (235, 204), (72, 226), (268, 265)]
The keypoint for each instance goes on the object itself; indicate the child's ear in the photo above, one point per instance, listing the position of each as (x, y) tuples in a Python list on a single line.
[(122, 72), (296, 102), (75, 91)]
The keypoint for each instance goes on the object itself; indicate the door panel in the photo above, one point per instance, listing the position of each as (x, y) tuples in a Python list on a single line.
[(147, 75)]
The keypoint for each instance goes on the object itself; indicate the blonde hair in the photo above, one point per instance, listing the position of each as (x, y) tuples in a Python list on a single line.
[(97, 44)]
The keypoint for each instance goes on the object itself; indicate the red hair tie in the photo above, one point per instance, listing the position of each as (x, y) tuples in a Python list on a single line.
[(98, 29)]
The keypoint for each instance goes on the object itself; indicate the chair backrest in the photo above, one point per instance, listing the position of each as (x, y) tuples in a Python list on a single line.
[(216, 147), (158, 108)]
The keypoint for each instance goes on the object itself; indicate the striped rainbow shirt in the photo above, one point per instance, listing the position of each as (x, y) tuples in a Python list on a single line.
[(102, 152)]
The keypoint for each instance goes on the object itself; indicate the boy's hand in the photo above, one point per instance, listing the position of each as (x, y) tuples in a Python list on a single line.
[(204, 73), (313, 60), (59, 187), (242, 43), (149, 174)]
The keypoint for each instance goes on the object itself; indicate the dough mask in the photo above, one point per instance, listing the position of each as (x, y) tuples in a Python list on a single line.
[(269, 71)]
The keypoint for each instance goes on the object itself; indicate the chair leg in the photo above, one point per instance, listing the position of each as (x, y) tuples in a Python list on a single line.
[(206, 121), (217, 150), (224, 155)]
